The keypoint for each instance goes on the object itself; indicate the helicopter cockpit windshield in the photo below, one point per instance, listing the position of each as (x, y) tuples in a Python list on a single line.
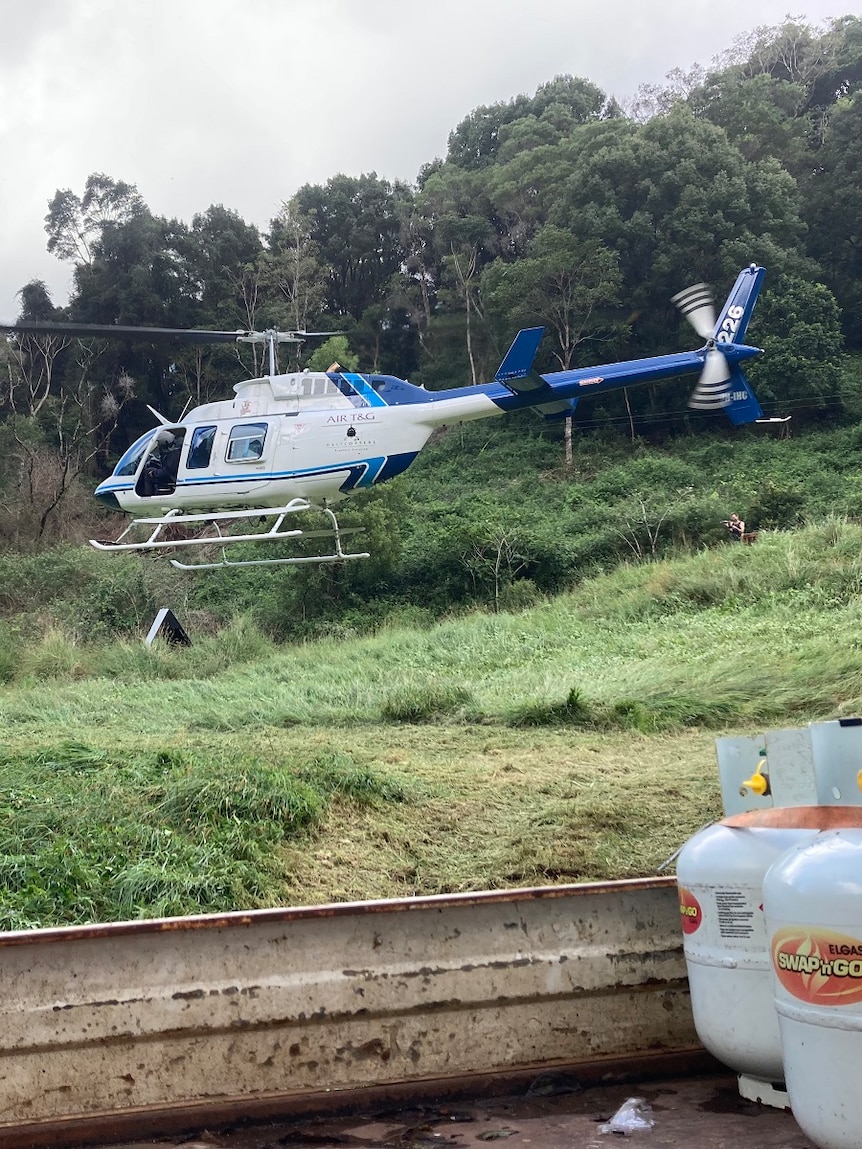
[(131, 459)]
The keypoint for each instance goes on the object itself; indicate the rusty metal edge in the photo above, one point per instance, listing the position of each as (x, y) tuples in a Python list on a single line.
[(335, 909), (213, 1115)]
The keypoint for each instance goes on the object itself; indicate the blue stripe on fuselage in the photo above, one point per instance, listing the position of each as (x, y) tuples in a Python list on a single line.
[(368, 473), (364, 388)]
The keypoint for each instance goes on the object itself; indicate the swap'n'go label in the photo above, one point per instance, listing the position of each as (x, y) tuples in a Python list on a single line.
[(817, 965)]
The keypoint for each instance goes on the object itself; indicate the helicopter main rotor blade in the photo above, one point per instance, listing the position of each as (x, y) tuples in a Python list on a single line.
[(144, 334), (115, 331)]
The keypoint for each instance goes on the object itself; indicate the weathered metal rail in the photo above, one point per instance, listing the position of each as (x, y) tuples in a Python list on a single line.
[(153, 1025)]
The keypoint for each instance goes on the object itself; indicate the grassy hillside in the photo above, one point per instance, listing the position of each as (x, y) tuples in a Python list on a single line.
[(488, 516), (572, 740)]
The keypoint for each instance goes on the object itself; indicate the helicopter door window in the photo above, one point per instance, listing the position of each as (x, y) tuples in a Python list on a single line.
[(246, 442), (201, 448)]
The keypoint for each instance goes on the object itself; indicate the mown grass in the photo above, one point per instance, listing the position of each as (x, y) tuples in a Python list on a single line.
[(571, 741), (93, 834)]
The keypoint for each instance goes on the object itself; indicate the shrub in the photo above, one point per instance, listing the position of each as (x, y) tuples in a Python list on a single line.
[(574, 710)]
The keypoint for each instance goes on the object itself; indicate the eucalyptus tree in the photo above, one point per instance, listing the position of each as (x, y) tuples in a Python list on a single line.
[(568, 285), (293, 267), (32, 361), (464, 238), (75, 223)]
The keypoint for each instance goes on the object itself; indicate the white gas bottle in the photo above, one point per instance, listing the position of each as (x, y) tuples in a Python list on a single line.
[(720, 876), (813, 908)]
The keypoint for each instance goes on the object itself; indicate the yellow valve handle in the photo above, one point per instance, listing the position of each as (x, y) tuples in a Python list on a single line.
[(758, 783)]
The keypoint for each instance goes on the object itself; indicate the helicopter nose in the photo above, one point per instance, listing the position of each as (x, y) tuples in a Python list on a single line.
[(108, 498)]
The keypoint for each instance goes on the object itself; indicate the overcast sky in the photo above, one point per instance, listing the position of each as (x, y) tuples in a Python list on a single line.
[(241, 102)]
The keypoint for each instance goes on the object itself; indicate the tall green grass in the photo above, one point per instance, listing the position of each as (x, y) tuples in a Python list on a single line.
[(726, 634)]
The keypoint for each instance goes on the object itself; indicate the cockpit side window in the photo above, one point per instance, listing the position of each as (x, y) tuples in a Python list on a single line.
[(129, 462), (201, 448), (246, 442)]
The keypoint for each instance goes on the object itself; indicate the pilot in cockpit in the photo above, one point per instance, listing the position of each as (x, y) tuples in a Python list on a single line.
[(160, 472)]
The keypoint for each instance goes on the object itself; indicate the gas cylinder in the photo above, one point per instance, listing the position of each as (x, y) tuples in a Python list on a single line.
[(813, 909), (720, 876)]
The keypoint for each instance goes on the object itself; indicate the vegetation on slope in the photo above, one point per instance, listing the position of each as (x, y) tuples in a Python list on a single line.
[(569, 741)]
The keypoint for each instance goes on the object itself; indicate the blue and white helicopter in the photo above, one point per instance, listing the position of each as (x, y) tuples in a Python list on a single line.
[(242, 470)]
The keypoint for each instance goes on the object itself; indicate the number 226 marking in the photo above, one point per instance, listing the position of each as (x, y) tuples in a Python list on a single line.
[(730, 325)]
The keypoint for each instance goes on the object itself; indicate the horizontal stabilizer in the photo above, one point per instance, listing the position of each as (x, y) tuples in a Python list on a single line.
[(518, 362), (559, 409)]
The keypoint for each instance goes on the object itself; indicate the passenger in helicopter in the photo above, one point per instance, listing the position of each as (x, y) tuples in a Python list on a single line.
[(160, 472)]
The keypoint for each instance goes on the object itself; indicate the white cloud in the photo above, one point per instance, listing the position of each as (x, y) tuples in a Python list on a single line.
[(220, 101)]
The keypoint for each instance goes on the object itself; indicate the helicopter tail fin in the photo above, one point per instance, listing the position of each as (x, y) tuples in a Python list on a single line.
[(731, 326), (518, 361), (735, 316)]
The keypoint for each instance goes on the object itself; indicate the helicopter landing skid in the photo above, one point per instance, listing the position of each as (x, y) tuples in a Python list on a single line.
[(220, 523)]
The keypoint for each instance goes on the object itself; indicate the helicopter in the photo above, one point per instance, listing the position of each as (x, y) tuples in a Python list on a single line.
[(241, 470)]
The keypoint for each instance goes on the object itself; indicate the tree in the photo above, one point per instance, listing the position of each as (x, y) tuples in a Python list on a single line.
[(34, 357), (293, 268), (568, 285), (463, 237), (762, 115), (679, 203), (480, 140), (212, 253), (834, 212), (799, 328), (335, 350), (53, 447), (75, 223), (355, 225)]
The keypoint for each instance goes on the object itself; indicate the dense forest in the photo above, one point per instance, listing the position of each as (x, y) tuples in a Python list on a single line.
[(561, 208)]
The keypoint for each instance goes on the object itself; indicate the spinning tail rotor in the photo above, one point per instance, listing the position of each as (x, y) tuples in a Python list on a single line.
[(722, 385), (712, 392)]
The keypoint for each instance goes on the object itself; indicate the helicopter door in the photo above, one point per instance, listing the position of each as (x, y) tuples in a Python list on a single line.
[(247, 449), (158, 474)]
